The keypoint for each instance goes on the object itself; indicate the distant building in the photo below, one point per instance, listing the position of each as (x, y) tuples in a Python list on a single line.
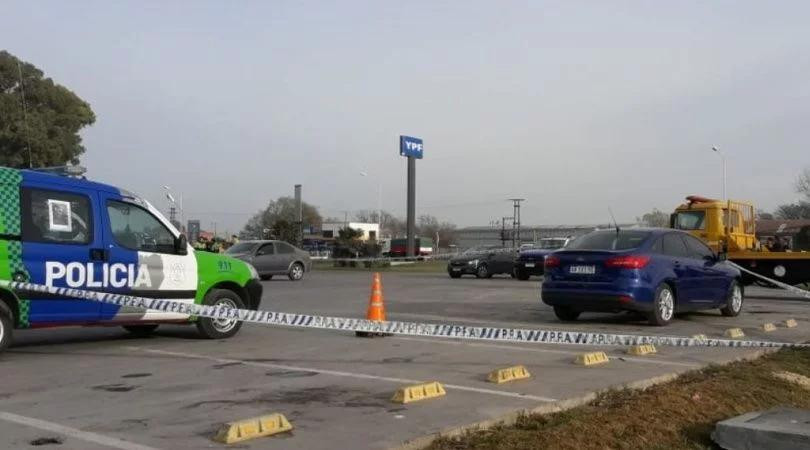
[(371, 231)]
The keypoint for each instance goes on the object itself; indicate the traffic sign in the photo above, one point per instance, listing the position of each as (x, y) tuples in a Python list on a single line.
[(410, 146)]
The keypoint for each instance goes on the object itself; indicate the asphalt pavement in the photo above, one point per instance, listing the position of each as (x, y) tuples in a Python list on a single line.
[(88, 388)]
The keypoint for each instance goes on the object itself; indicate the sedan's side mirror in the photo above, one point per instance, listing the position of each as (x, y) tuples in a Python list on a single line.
[(181, 245)]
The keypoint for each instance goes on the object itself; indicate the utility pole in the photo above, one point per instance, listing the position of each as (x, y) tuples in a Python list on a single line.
[(516, 220), (299, 216), (503, 229)]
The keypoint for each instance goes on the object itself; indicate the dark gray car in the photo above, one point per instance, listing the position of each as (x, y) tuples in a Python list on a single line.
[(273, 258)]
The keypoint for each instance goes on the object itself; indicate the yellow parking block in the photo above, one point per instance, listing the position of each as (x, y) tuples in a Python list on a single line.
[(418, 392), (592, 359), (641, 350), (256, 427), (768, 327), (791, 323), (734, 333), (513, 373)]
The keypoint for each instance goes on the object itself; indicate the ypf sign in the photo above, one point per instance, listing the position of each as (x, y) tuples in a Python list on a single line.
[(410, 147)]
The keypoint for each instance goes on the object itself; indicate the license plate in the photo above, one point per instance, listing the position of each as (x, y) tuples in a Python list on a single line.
[(582, 270), (455, 269), (529, 264)]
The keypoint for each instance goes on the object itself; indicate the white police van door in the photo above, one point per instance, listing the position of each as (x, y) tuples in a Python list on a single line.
[(143, 258), (62, 247)]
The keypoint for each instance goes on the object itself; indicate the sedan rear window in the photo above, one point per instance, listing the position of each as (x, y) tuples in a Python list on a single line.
[(610, 240)]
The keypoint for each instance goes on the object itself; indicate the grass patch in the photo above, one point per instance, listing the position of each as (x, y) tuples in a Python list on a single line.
[(432, 266), (679, 414)]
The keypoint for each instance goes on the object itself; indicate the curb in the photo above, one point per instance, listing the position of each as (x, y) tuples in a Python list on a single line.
[(421, 442)]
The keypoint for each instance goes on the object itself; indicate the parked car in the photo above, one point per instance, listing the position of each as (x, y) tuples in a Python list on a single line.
[(530, 260), (658, 272), (68, 232), (273, 258), (483, 262)]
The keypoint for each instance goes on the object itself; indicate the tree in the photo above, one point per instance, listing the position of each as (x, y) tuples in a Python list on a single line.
[(792, 211), (762, 215), (654, 218), (443, 233), (803, 183), (47, 122), (279, 219), (389, 226)]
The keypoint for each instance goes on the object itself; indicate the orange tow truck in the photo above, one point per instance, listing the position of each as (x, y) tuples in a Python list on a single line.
[(730, 227)]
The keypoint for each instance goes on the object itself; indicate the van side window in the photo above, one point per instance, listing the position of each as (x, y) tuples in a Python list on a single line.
[(56, 217), (137, 229)]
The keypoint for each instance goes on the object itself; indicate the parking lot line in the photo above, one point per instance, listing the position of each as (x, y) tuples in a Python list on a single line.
[(542, 350), (72, 432), (338, 373)]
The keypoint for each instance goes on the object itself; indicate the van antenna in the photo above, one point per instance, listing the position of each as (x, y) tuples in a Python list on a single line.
[(616, 224)]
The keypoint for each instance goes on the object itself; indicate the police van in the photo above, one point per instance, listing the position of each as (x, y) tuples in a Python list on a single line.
[(68, 232)]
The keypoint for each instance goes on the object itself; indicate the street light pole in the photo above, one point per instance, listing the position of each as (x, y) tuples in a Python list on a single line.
[(723, 161), (379, 203)]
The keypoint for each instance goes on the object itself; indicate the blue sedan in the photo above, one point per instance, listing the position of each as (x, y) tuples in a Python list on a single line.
[(658, 272)]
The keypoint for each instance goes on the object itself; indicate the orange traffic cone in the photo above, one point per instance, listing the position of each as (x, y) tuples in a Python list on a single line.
[(376, 306)]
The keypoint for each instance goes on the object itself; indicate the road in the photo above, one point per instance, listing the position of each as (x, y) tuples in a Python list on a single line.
[(100, 388)]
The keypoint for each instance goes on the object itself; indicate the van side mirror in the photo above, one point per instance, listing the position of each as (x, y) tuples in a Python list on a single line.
[(181, 245)]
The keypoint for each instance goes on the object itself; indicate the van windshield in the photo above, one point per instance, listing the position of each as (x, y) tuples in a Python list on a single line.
[(610, 240)]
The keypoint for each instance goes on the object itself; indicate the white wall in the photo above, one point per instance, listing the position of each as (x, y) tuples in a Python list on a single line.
[(366, 228)]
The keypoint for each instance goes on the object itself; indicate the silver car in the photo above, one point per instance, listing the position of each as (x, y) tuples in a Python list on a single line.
[(273, 258)]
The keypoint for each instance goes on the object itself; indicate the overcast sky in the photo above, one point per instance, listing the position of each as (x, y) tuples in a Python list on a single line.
[(575, 106)]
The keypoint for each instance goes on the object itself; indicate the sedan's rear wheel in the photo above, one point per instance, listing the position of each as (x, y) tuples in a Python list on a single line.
[(734, 302), (296, 272), (663, 306), (566, 313)]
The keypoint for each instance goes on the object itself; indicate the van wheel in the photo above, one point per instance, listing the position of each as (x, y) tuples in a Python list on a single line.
[(141, 330), (734, 302), (6, 326), (296, 272), (224, 327), (566, 313), (523, 276), (663, 306)]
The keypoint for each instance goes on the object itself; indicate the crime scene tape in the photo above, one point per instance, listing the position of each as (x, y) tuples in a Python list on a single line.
[(784, 286), (389, 327)]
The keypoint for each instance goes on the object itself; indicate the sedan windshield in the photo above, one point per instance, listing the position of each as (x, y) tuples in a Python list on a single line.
[(610, 240), (242, 247)]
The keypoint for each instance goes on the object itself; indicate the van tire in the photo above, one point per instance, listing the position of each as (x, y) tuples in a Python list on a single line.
[(6, 326), (220, 328), (141, 330)]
